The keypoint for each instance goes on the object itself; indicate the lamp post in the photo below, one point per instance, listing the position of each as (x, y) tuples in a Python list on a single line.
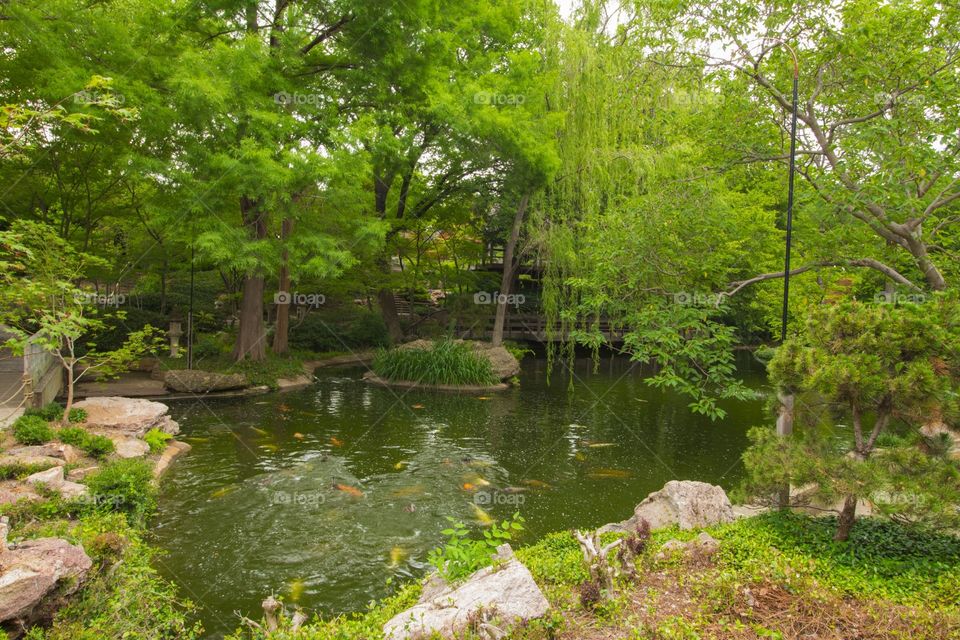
[(785, 414), (793, 160)]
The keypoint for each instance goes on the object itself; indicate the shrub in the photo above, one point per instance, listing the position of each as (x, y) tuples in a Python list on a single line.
[(339, 329), (127, 600), (77, 415), (32, 429), (157, 440), (461, 556), (74, 436), (124, 485), (49, 412), (20, 471), (446, 362), (98, 446), (92, 444), (208, 346)]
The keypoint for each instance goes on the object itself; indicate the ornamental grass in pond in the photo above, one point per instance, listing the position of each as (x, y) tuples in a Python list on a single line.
[(445, 362)]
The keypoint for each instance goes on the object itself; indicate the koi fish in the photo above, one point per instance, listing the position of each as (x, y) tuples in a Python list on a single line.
[(283, 408), (260, 431), (350, 491), (397, 555), (400, 465), (537, 484), (483, 397), (337, 442), (223, 491), (418, 406), (481, 516), (466, 486), (601, 445), (601, 474), (272, 448), (476, 481), (406, 492), (296, 589), (298, 436)]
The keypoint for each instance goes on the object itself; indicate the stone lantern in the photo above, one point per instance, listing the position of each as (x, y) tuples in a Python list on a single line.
[(175, 332)]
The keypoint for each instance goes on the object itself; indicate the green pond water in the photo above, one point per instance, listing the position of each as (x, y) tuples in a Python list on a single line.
[(324, 494)]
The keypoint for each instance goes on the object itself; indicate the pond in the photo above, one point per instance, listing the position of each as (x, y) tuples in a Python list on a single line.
[(324, 494)]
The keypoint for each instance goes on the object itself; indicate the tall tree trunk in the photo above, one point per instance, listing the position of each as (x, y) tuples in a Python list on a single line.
[(388, 311), (497, 338), (251, 338), (847, 517), (282, 327), (784, 429)]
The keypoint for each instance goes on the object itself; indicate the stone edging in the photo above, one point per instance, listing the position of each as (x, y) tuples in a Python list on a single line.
[(372, 378)]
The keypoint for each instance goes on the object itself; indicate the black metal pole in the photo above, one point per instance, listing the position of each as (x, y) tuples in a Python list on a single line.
[(190, 314), (793, 159)]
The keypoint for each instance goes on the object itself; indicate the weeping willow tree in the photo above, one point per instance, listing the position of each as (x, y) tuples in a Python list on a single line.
[(634, 233)]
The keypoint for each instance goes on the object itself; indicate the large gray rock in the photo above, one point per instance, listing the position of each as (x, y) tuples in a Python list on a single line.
[(195, 381), (64, 452), (126, 447), (505, 592), (53, 479), (132, 416), (686, 503), (35, 578)]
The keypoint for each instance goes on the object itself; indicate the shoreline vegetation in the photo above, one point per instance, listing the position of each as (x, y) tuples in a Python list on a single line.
[(773, 575)]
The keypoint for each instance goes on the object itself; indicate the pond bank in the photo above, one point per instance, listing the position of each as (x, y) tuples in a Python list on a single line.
[(773, 575)]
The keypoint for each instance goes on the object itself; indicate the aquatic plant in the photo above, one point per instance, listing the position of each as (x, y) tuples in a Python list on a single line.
[(445, 362)]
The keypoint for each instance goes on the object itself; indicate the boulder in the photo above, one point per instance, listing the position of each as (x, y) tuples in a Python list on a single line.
[(195, 381), (704, 544), (12, 492), (51, 478), (168, 425), (130, 447), (503, 363), (8, 460), (64, 452), (686, 503), (132, 416), (35, 578), (72, 490), (505, 592), (76, 475)]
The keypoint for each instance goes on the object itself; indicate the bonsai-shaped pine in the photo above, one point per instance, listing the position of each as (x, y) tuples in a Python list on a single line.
[(866, 374), (41, 305)]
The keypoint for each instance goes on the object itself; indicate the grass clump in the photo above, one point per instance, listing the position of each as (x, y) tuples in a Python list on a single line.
[(32, 429), (445, 362)]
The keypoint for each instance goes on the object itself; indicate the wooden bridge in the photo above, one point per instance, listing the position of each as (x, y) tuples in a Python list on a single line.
[(528, 327)]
